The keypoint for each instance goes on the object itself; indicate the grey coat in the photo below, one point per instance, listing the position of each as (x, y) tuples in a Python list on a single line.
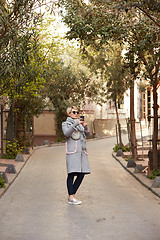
[(76, 152)]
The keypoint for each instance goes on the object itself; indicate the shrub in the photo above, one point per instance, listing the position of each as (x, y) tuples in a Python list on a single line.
[(2, 182), (155, 173), (127, 159), (60, 139), (123, 148), (12, 149)]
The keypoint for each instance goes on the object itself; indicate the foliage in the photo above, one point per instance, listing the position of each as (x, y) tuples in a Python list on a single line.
[(16, 16), (123, 148), (150, 8), (64, 88), (26, 84), (98, 22), (128, 158), (155, 173), (2, 182), (112, 74), (142, 86), (60, 139), (117, 74), (25, 109), (12, 149), (21, 65)]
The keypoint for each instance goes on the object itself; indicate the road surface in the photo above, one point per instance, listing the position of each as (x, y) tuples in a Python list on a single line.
[(115, 206)]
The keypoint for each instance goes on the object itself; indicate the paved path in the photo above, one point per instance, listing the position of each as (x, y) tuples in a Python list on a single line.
[(115, 206)]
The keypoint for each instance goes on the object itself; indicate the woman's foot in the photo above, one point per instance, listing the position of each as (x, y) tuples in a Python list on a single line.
[(74, 201)]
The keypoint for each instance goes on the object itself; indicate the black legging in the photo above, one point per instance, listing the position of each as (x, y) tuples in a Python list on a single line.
[(74, 185)]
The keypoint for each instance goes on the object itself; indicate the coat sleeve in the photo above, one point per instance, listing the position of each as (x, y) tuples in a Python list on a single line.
[(68, 129)]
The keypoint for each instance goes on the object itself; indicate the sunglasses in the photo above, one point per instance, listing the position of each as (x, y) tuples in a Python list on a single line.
[(74, 112)]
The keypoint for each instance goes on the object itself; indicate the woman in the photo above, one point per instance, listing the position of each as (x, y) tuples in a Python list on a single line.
[(75, 130)]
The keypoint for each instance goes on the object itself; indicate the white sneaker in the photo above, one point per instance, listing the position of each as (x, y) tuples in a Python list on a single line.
[(74, 201)]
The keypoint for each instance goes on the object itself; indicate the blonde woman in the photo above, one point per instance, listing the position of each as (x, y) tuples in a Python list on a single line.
[(75, 130)]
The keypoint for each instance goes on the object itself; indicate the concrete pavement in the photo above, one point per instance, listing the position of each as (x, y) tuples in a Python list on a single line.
[(115, 206), (141, 177)]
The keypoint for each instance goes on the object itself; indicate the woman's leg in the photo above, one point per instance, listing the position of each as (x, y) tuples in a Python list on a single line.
[(78, 182), (70, 180), (72, 185)]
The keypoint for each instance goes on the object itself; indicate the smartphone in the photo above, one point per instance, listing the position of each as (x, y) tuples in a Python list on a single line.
[(82, 118)]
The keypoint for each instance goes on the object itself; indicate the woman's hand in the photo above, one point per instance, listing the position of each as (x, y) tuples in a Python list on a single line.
[(82, 122)]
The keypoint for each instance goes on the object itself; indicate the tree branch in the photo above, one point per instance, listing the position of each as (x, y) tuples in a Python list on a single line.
[(144, 11)]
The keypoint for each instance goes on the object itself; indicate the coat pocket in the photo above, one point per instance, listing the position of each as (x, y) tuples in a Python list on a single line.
[(70, 149)]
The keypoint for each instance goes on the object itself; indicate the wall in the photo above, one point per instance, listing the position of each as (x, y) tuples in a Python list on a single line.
[(44, 127), (104, 127)]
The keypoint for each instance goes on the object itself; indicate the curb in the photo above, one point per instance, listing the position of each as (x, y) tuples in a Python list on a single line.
[(141, 179), (16, 175)]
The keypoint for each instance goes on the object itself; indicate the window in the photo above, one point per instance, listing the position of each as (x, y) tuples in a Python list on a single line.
[(149, 102), (143, 105)]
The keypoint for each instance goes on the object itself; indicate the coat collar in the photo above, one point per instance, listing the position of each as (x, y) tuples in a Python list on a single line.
[(71, 120)]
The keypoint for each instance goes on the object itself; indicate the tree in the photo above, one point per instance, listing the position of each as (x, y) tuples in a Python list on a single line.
[(117, 80), (26, 83), (100, 21), (109, 66), (65, 87), (132, 64), (20, 62)]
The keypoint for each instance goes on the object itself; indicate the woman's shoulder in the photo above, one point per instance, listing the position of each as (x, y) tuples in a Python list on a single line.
[(67, 122)]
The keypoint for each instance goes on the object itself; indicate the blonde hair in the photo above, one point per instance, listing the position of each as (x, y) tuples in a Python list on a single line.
[(69, 109)]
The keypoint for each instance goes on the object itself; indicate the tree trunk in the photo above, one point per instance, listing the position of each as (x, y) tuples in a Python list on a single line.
[(132, 122), (20, 124), (118, 124), (155, 130), (154, 81), (10, 133), (18, 127)]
